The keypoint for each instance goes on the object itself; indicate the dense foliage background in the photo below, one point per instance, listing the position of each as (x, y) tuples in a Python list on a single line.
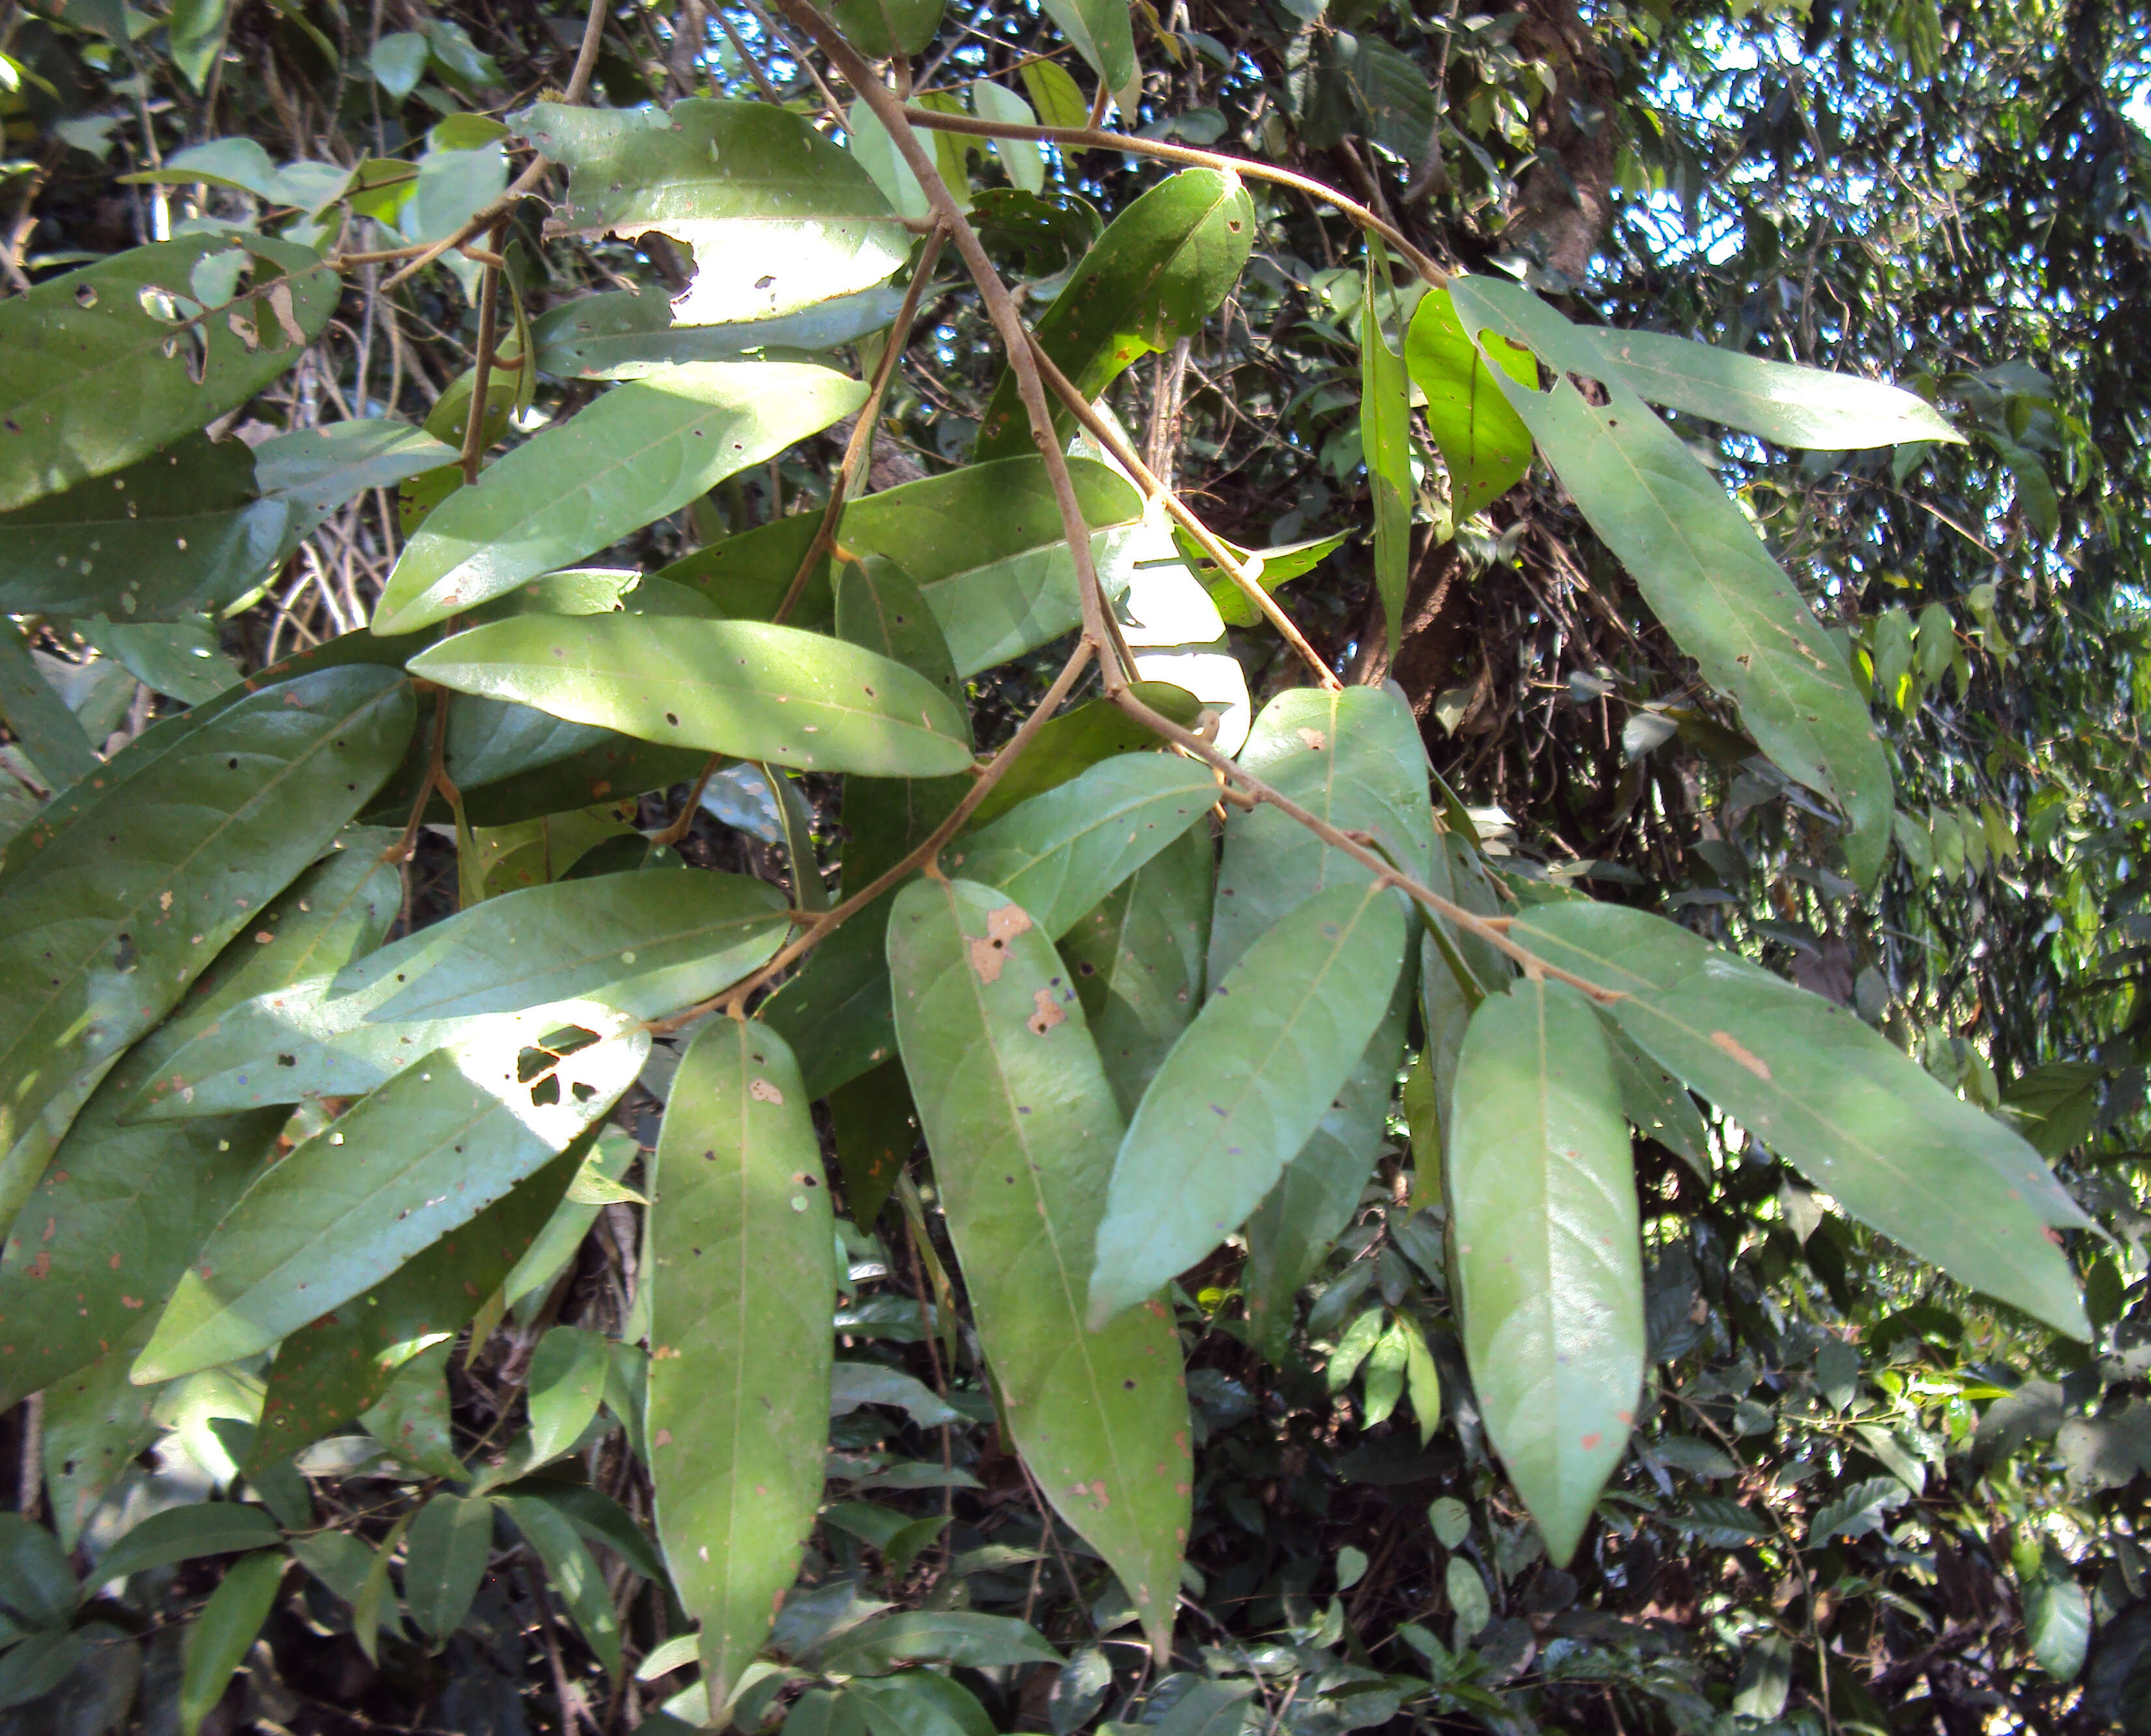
[(1859, 1498)]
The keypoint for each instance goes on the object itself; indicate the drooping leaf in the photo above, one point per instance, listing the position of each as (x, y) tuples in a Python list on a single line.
[(1385, 442), (742, 1275), (446, 1552), (1484, 443), (642, 450), (1022, 1124), (1547, 1254), (1700, 566), (225, 1632), (778, 216), (1894, 1148), (1794, 407), (1245, 1087), (620, 334), (105, 365), (419, 1158), (1138, 957), (1156, 274), (1099, 31), (741, 687), (1057, 854), (99, 942)]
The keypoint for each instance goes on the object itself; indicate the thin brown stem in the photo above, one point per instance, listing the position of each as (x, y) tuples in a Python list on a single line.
[(684, 818), (488, 325), (862, 441)]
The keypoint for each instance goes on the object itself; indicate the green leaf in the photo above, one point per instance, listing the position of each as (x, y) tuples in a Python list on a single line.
[(1245, 1087), (1021, 1123), (1353, 757), (742, 1274), (933, 1635), (321, 469), (1137, 958), (399, 62), (1101, 32), (1655, 1105), (36, 1582), (96, 379), (549, 1253), (1863, 1122), (182, 660), (854, 1384), (917, 1702), (1058, 98), (1385, 442), (98, 944), (1544, 1218), (2056, 1613), (1058, 853), (778, 216), (741, 687), (39, 1663), (1024, 159), (446, 1552), (876, 1128), (1291, 1232), (1384, 1372), (569, 1572), (1484, 443), (621, 335), (412, 1422), (597, 1517), (565, 1385), (835, 1013), (1792, 407), (421, 1157), (38, 718), (1278, 566), (1208, 1709), (225, 1632), (1700, 566), (96, 1421), (181, 1534), (1861, 1508), (342, 1362), (881, 28), (1467, 1596), (1081, 737), (1421, 1379), (641, 451), (1156, 274)]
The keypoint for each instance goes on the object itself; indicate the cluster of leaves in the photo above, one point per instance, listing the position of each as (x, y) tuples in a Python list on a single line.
[(1264, 1187)]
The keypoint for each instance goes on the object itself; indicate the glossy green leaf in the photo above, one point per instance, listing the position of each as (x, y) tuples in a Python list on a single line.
[(1245, 1087), (1790, 406), (1101, 32), (1138, 957), (565, 1385), (741, 687), (620, 334), (963, 1637), (1081, 737), (1385, 442), (421, 1157), (446, 1551), (181, 659), (881, 28), (1156, 274), (642, 450), (742, 1275), (1484, 443), (570, 1574), (1701, 567), (1290, 1233), (342, 1363), (1543, 1202), (1352, 757), (180, 1534), (1061, 851), (778, 216), (225, 1632), (101, 942), (96, 379), (1866, 1125), (38, 718), (1022, 1124)]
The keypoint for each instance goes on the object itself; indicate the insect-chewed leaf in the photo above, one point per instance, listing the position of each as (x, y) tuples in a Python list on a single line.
[(100, 941), (779, 217), (1058, 853), (1794, 407), (103, 368), (1867, 1125), (1355, 759), (1159, 269), (1698, 564), (644, 449), (1022, 1125), (742, 1277), (1484, 442), (1544, 1203), (422, 1155), (1245, 1087), (121, 1209), (742, 687), (1385, 440), (1138, 957)]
